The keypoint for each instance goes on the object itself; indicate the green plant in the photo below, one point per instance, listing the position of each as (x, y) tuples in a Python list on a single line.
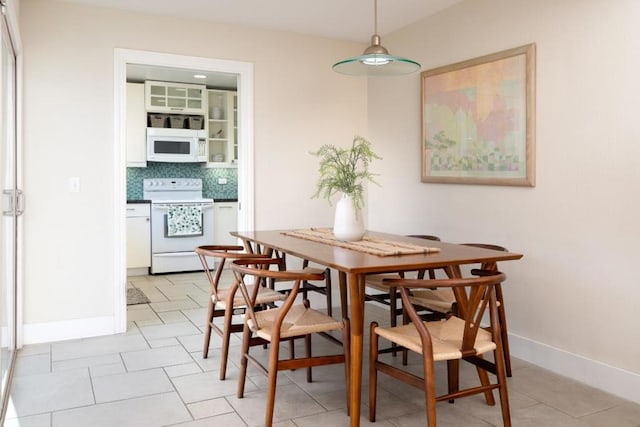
[(344, 170)]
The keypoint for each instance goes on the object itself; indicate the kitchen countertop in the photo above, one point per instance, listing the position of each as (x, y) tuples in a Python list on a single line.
[(138, 201), (224, 200)]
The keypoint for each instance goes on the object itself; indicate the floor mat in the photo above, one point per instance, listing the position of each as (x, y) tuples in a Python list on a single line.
[(136, 296)]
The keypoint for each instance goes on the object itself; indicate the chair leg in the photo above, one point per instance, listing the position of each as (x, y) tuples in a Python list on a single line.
[(292, 349), (393, 320), (226, 338), (405, 352), (484, 380), (271, 381), (453, 376), (502, 318), (305, 290), (244, 354), (307, 350), (327, 291), (207, 332), (502, 390), (430, 391), (373, 371)]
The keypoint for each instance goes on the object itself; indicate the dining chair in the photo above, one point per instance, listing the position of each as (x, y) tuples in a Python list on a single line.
[(287, 322), (389, 296), (307, 286), (441, 302), (454, 339), (224, 301)]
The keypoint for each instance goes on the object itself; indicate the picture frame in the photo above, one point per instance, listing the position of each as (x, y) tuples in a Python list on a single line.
[(478, 120)]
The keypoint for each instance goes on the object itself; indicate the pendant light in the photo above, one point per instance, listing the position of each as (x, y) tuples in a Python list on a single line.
[(375, 60)]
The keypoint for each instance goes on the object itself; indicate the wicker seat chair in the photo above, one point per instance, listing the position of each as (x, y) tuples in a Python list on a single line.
[(285, 323), (389, 296), (443, 302), (307, 286), (453, 339), (224, 300)]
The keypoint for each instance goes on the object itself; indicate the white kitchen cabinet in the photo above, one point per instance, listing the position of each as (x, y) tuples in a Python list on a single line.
[(222, 128), (139, 236), (178, 98), (136, 125), (225, 220)]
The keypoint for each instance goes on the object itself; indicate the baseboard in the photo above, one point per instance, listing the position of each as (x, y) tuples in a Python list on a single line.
[(142, 271), (596, 374), (35, 333)]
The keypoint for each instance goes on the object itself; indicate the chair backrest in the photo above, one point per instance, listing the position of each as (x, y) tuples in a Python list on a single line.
[(477, 294), (221, 253), (259, 269), (432, 273), (486, 266)]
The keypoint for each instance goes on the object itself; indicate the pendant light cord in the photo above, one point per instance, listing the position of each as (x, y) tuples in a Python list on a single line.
[(375, 16)]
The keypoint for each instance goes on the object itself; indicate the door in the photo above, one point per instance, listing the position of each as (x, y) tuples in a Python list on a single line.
[(11, 209)]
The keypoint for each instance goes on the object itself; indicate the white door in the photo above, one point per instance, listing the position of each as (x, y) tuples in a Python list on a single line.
[(11, 209)]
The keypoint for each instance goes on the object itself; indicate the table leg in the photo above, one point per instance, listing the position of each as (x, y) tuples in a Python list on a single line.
[(356, 292)]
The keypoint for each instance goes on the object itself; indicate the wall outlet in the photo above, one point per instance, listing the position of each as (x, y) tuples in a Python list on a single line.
[(222, 180), (74, 184)]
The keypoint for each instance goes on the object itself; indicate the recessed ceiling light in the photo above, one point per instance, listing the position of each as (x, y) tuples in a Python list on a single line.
[(199, 76)]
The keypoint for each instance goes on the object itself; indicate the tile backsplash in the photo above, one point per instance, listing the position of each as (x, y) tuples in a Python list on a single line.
[(210, 187)]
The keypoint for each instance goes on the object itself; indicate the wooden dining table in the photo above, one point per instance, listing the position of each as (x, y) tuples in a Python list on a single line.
[(352, 267)]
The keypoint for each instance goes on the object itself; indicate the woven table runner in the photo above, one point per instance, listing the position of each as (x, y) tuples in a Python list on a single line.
[(370, 245)]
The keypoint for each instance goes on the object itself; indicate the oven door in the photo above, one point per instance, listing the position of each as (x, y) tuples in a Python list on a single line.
[(175, 237), (181, 227)]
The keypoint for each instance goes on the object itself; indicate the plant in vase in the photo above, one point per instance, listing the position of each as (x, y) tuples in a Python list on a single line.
[(345, 170)]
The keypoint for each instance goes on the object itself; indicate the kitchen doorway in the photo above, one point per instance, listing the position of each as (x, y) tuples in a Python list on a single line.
[(244, 73)]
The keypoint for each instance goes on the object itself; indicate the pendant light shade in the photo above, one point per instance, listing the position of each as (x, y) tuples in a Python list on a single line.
[(375, 60)]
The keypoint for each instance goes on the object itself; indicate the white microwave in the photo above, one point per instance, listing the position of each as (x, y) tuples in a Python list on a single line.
[(176, 145)]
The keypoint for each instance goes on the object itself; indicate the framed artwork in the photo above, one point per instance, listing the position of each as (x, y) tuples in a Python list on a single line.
[(478, 120)]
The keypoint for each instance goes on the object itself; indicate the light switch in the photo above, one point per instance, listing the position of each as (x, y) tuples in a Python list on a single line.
[(222, 180), (74, 184)]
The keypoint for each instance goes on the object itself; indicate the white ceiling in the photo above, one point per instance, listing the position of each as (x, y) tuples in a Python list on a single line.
[(351, 20), (341, 19)]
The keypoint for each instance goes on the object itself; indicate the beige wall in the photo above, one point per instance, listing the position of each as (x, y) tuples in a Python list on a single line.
[(576, 289), (571, 298), (69, 118)]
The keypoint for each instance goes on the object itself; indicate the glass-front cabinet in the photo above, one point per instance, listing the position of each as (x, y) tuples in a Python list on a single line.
[(180, 98), (222, 127)]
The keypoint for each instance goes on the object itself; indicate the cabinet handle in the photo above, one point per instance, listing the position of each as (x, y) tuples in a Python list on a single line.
[(225, 207)]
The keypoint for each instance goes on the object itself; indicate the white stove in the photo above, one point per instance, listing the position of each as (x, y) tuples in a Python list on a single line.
[(181, 220)]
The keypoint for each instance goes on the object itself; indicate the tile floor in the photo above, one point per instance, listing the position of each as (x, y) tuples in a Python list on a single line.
[(154, 375)]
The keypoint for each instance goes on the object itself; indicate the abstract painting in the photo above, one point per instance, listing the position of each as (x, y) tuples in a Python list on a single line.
[(478, 120)]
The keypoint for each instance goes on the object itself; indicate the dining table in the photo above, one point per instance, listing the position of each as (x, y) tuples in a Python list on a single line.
[(376, 253)]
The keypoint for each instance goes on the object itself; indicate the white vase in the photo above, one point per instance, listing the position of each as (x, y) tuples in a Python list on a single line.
[(347, 225)]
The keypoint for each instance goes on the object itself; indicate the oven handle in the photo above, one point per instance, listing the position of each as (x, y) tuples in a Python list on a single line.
[(166, 206)]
